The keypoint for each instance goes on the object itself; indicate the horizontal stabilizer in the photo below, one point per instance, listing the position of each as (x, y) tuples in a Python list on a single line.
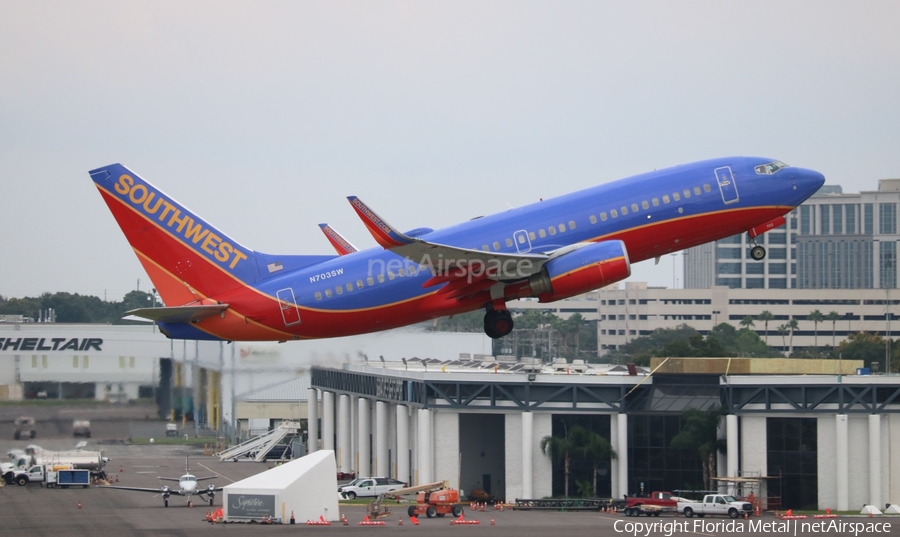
[(179, 314)]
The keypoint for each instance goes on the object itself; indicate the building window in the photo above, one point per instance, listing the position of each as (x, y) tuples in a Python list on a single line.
[(755, 283), (729, 268), (837, 225), (804, 220), (777, 283), (868, 219), (851, 219), (777, 268), (792, 453), (826, 219), (887, 218)]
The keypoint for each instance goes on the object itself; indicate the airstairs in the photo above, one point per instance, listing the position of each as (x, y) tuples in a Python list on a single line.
[(257, 448)]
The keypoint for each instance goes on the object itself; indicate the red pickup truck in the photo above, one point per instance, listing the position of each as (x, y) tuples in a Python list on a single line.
[(656, 503)]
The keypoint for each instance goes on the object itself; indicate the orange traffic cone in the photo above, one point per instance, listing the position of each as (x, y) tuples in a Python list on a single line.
[(117, 478), (292, 518), (414, 520), (344, 520), (190, 503), (870, 514), (400, 521), (121, 469), (790, 512), (492, 521), (79, 505), (828, 510)]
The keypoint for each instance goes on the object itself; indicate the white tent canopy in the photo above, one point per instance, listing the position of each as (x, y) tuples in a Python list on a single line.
[(306, 486)]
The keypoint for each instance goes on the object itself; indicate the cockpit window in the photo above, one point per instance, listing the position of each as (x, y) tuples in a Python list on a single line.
[(770, 168)]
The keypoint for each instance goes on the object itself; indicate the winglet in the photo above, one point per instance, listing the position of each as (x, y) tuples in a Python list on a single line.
[(385, 235), (340, 244)]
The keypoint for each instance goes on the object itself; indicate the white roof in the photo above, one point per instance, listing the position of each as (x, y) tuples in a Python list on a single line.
[(285, 475)]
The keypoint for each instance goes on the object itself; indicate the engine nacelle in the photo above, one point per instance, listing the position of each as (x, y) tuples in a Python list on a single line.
[(588, 267)]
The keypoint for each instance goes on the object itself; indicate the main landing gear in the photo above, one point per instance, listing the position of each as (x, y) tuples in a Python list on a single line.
[(497, 323)]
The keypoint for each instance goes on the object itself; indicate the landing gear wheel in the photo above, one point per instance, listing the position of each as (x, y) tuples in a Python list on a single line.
[(210, 501), (166, 502), (497, 323), (758, 253)]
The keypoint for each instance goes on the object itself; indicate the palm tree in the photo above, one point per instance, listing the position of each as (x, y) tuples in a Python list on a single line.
[(792, 325), (834, 317), (765, 317), (747, 322), (594, 448), (816, 317), (783, 330), (561, 449), (700, 432)]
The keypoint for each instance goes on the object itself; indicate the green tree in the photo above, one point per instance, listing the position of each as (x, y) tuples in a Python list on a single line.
[(700, 432), (747, 322), (816, 317), (593, 448), (792, 325), (865, 346), (783, 330), (765, 317), (561, 449), (834, 317)]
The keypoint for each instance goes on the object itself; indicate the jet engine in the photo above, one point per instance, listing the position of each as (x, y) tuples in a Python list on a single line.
[(582, 268)]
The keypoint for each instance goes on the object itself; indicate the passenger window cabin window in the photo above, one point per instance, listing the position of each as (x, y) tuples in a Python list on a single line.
[(603, 216), (593, 219), (486, 248), (496, 246), (328, 293), (349, 286), (634, 207), (624, 210), (655, 202), (562, 228), (645, 205), (551, 230), (665, 198), (318, 295), (370, 281), (532, 236), (391, 275), (509, 243), (697, 190), (614, 213), (676, 196), (571, 224), (687, 193), (706, 187), (380, 278), (339, 290), (401, 272), (521, 238), (541, 233)]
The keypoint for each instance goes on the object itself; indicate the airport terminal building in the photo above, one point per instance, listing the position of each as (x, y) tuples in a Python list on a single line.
[(480, 425)]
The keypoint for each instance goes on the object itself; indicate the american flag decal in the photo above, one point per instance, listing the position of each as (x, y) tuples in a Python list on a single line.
[(274, 267)]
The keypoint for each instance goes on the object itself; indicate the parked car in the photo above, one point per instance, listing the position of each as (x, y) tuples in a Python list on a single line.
[(369, 486), (346, 475), (24, 427), (81, 428)]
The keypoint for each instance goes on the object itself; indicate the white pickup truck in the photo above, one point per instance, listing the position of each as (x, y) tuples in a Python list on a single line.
[(715, 504)]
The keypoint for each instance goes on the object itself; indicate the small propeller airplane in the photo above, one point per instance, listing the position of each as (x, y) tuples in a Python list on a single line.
[(188, 487)]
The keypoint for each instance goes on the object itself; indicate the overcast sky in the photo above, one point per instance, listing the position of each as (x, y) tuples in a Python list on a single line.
[(263, 116)]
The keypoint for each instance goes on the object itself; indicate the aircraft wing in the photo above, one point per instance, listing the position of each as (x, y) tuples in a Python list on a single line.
[(205, 478), (443, 259), (157, 490), (339, 243), (178, 314), (168, 479)]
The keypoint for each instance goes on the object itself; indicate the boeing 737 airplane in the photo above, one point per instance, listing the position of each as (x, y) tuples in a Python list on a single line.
[(214, 288)]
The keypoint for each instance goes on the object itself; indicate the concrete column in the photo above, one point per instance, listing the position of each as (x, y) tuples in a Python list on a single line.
[(354, 433), (343, 437), (721, 458), (402, 456), (614, 463), (362, 465), (622, 453), (328, 420), (527, 455), (382, 429), (875, 469), (423, 447), (312, 420), (731, 440), (842, 461)]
